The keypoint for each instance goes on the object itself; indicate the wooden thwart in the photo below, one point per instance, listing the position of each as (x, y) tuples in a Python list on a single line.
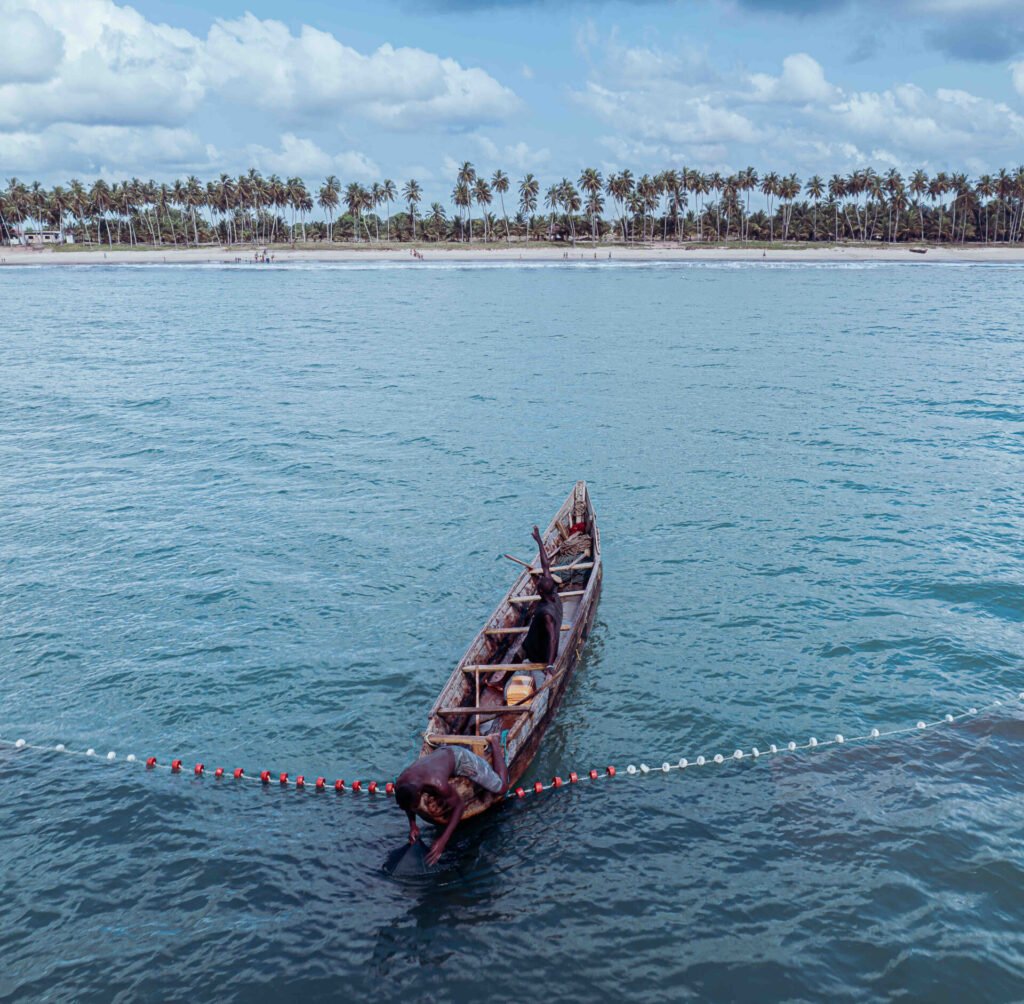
[(518, 630), (502, 667), (534, 597), (497, 709)]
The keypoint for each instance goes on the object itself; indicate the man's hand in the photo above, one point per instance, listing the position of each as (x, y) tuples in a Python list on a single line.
[(414, 831), (434, 854)]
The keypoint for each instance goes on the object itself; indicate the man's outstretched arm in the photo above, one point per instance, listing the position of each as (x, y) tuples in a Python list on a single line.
[(545, 564), (454, 801)]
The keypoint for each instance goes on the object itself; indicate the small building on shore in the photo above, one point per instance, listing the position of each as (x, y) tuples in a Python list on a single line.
[(35, 238)]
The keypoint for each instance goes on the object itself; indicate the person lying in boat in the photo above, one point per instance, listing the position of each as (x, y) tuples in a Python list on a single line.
[(541, 643), (431, 775)]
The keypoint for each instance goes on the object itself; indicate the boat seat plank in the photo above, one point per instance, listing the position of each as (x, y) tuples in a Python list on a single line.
[(502, 667), (533, 597), (497, 709), (518, 630)]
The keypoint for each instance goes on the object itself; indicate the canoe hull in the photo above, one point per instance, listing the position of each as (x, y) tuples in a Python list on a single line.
[(526, 731)]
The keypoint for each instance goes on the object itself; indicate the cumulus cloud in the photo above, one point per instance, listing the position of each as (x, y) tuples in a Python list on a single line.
[(30, 50), (300, 156), (96, 150), (520, 156), (1017, 72), (795, 118), (114, 68), (312, 73), (664, 97), (97, 62), (802, 80)]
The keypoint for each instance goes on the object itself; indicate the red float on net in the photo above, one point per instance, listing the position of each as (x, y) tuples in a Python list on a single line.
[(219, 772), (389, 788), (611, 772), (357, 785), (573, 777), (238, 773), (557, 782), (593, 775), (372, 787), (150, 762), (283, 779), (520, 793), (175, 766), (339, 785), (198, 769), (321, 783), (537, 787), (265, 776), (300, 782)]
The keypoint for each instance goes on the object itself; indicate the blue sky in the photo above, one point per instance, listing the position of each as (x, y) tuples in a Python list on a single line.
[(405, 89)]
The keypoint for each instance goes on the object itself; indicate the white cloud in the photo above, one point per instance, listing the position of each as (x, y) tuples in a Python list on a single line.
[(96, 62), (519, 156), (313, 73), (929, 124), (802, 81), (30, 50), (303, 157), (663, 109), (117, 69), (668, 114), (96, 150), (1017, 71)]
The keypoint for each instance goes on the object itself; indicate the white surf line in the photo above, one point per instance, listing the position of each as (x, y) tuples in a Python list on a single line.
[(266, 778)]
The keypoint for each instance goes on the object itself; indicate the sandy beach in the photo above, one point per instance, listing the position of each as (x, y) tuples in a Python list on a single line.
[(402, 253)]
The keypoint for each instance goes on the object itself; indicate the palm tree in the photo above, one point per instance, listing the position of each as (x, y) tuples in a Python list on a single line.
[(815, 189), (572, 204), (553, 200), (100, 201), (328, 200), (412, 193), (500, 184), (376, 198), (985, 189), (770, 188), (789, 189), (354, 201), (620, 187), (529, 190), (836, 192), (482, 195), (467, 177), (591, 183), (463, 201), (437, 218), (918, 187), (388, 194)]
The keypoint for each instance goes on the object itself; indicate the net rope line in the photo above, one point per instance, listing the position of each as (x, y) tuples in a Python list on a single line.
[(266, 778)]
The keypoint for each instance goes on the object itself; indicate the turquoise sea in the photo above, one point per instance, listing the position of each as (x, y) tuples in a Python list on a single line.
[(252, 515)]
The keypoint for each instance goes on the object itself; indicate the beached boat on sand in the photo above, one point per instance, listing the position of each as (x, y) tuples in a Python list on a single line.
[(573, 544)]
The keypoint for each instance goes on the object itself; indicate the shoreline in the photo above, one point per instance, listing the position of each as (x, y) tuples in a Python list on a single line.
[(499, 253)]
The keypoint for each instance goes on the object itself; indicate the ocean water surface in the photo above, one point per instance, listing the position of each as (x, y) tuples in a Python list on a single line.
[(252, 515)]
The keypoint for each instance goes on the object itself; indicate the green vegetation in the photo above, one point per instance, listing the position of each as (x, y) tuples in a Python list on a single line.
[(676, 205)]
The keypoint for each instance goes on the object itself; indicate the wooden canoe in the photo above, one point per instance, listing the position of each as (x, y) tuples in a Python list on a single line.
[(573, 542)]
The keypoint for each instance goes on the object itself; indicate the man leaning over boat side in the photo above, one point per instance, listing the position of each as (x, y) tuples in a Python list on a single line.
[(432, 775)]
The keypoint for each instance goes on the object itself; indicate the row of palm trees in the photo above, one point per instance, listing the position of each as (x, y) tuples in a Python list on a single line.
[(676, 204)]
